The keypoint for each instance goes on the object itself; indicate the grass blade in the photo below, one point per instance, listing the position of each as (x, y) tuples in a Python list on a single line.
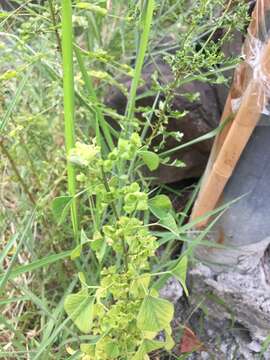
[(145, 24), (4, 279), (35, 265), (14, 102), (69, 103), (211, 134)]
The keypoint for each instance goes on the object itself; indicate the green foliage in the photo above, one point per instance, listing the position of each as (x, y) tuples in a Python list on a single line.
[(155, 314), (79, 308), (150, 159), (180, 272), (210, 24), (116, 311), (122, 294), (160, 206), (60, 207)]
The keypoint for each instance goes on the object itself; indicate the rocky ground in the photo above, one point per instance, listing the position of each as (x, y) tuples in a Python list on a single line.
[(227, 314)]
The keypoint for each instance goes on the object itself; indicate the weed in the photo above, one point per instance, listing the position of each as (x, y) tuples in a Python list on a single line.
[(118, 220)]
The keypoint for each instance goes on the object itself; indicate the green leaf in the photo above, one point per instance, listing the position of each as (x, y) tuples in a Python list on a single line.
[(152, 345), (168, 222), (82, 279), (97, 9), (98, 245), (37, 264), (79, 308), (150, 159), (88, 349), (84, 238), (160, 205), (139, 286), (112, 350), (155, 314), (60, 206), (146, 347), (180, 272), (169, 343), (76, 252)]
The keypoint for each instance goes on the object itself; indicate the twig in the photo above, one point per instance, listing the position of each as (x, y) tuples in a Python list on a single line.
[(107, 187), (58, 39)]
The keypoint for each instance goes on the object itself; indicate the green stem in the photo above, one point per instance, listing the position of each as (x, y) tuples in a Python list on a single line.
[(69, 103), (124, 246), (92, 94), (107, 187), (145, 25)]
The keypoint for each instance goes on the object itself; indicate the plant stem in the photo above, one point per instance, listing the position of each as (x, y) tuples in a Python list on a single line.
[(69, 103), (145, 25), (107, 187), (124, 246), (92, 94)]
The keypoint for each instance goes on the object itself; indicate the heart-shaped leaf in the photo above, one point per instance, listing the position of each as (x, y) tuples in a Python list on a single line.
[(180, 272), (150, 159), (79, 308), (168, 222), (155, 314), (60, 206), (160, 205)]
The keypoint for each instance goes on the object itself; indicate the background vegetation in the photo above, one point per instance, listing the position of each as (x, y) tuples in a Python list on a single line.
[(103, 254)]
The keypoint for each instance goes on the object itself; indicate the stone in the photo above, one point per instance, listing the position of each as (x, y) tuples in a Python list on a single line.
[(239, 297), (172, 290)]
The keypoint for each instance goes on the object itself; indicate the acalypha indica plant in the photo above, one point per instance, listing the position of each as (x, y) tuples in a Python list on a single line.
[(118, 305), (123, 311)]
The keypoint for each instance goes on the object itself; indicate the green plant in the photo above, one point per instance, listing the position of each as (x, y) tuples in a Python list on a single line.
[(114, 300), (123, 309), (68, 83)]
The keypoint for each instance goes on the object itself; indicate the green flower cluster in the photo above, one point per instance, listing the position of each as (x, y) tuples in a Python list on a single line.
[(141, 244), (126, 150), (94, 168), (84, 155), (123, 294), (120, 295)]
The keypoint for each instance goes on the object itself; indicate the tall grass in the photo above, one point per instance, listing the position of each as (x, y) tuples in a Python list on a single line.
[(144, 26), (69, 103)]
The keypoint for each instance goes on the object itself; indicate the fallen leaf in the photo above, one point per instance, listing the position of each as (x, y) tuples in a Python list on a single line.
[(190, 342)]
